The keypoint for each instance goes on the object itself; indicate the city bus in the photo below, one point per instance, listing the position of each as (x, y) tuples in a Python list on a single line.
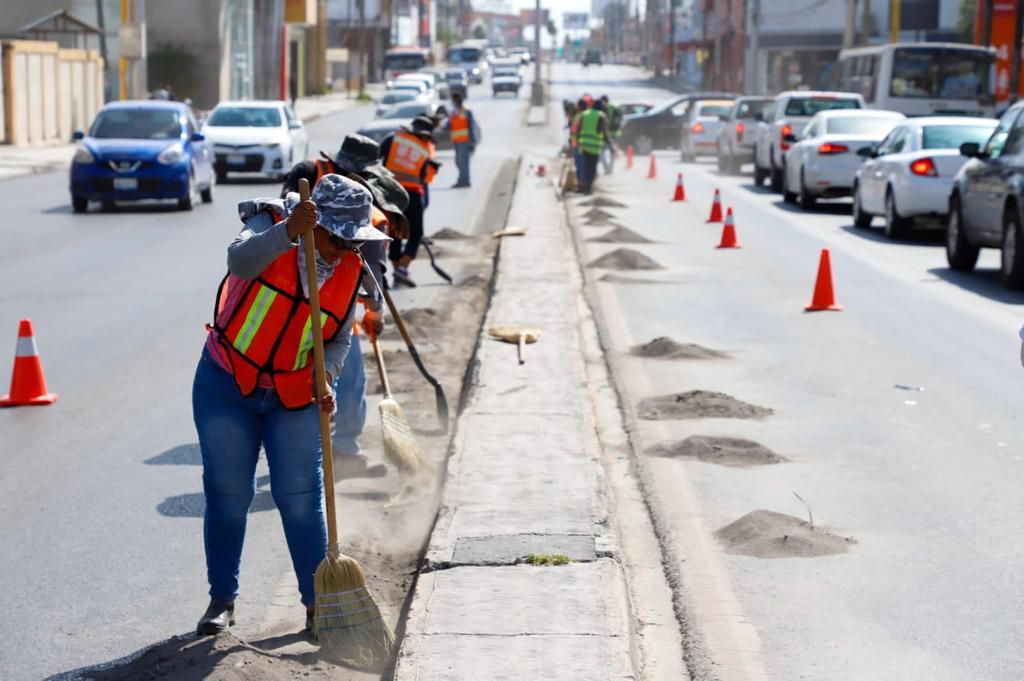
[(921, 79), (399, 60)]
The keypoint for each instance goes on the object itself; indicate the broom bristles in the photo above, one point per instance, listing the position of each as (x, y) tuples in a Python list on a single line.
[(348, 623), (400, 446)]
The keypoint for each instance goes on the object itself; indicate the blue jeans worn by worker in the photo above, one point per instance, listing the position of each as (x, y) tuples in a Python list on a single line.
[(350, 389), (581, 171), (462, 154), (231, 429)]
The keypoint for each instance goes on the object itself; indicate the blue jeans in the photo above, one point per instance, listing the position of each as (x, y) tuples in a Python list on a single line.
[(462, 155), (231, 429), (350, 388), (581, 171)]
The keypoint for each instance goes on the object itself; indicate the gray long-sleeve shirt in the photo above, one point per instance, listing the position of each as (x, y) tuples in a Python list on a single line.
[(261, 241)]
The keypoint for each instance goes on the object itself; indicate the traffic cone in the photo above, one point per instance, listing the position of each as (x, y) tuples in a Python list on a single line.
[(629, 157), (716, 208), (824, 298), (652, 170), (680, 194), (28, 387), (729, 233)]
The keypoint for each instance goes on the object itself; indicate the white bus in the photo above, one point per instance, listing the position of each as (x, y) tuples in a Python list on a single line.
[(921, 79)]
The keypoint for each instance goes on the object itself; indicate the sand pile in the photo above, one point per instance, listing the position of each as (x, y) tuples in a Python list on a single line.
[(625, 259), (724, 451), (597, 215), (448, 233), (767, 534), (663, 347), (696, 404)]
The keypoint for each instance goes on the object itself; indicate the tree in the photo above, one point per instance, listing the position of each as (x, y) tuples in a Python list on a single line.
[(965, 20)]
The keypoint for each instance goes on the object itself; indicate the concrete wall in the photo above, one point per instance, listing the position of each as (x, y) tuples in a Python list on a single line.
[(48, 92)]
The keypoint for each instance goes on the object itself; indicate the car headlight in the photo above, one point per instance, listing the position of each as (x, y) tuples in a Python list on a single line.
[(171, 155), (83, 155), (476, 72)]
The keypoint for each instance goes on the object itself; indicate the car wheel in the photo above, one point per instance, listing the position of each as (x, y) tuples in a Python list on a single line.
[(776, 178), (644, 144), (805, 199), (1012, 261), (860, 218), (760, 175), (896, 227), (186, 202), (79, 204), (961, 254), (207, 194)]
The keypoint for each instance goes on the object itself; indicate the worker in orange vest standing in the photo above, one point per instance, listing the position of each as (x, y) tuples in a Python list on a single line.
[(465, 136), (408, 154)]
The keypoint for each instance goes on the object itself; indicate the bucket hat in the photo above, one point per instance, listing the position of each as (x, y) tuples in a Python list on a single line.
[(343, 209)]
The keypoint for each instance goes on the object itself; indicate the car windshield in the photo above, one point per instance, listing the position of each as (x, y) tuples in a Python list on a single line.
[(245, 117), (404, 62), (861, 125), (952, 136), (505, 72), (665, 106), (145, 124), (933, 73), (808, 106), (405, 111), (455, 75), (751, 108), (715, 110), (396, 97), (464, 54), (406, 86)]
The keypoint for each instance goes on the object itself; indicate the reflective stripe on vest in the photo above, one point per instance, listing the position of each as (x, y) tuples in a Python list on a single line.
[(406, 159), (589, 135), (460, 126), (270, 331)]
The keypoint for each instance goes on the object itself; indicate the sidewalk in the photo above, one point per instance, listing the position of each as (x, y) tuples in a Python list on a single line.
[(526, 477)]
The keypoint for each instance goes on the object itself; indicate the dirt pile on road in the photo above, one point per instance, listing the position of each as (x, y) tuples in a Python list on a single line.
[(767, 534), (664, 347), (448, 233), (621, 235), (724, 451), (597, 215), (696, 404), (625, 259)]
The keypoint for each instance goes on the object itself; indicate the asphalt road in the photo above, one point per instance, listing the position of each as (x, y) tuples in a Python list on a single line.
[(101, 496), (927, 480)]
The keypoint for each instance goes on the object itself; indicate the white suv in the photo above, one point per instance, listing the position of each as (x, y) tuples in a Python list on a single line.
[(788, 116)]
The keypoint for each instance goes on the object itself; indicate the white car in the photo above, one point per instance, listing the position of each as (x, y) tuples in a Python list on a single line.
[(910, 174), (699, 131), (788, 115), (262, 137), (824, 161)]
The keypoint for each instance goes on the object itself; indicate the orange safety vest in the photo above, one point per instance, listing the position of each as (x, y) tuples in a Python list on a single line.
[(459, 125), (269, 331), (407, 159)]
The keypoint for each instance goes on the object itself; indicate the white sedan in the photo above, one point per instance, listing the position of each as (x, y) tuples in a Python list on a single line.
[(910, 174), (823, 162), (262, 137)]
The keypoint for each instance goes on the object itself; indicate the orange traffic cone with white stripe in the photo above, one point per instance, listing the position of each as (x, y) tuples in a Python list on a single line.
[(629, 157), (680, 194), (28, 387), (824, 297), (652, 170), (716, 208), (729, 233)]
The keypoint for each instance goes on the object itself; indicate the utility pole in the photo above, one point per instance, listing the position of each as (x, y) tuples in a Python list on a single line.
[(537, 95), (894, 21), (672, 37), (986, 22), (851, 24), (865, 22), (755, 48)]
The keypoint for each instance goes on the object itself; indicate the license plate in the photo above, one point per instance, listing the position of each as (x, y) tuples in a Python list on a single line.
[(125, 184), (236, 160)]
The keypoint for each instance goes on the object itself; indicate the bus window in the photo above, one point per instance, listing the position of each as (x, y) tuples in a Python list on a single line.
[(939, 74), (403, 62)]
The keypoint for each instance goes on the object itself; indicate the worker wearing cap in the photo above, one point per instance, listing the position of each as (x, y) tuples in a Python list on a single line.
[(358, 158), (253, 386), (591, 138), (408, 153), (465, 136)]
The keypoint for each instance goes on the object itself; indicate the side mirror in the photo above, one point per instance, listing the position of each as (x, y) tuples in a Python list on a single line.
[(295, 124), (198, 136), (970, 149), (867, 152), (78, 135), (789, 138)]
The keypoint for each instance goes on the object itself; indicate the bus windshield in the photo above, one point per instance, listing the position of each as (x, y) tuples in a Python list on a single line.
[(934, 73), (404, 61)]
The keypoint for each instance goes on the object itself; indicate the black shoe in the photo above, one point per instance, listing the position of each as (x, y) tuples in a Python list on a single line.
[(217, 618)]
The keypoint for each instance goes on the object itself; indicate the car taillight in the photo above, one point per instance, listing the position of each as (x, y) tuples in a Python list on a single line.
[(786, 131), (827, 149), (697, 128), (740, 129), (925, 167)]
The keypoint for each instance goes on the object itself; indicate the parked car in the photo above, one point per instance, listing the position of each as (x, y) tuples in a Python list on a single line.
[(401, 115), (986, 201), (138, 150), (739, 128), (910, 174), (698, 134), (658, 128), (262, 137), (457, 82), (822, 163), (789, 114)]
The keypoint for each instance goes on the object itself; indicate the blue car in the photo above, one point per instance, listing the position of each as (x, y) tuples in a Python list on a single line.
[(138, 150)]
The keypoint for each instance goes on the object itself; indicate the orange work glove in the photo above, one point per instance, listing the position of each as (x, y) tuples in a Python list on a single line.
[(372, 323)]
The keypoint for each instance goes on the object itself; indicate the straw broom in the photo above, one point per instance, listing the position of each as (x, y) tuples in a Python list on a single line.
[(347, 622), (400, 447)]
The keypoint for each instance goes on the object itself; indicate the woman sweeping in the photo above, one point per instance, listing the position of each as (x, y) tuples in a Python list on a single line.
[(254, 382)]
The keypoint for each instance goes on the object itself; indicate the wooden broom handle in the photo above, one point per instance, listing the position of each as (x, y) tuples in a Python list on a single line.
[(320, 375), (379, 356)]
